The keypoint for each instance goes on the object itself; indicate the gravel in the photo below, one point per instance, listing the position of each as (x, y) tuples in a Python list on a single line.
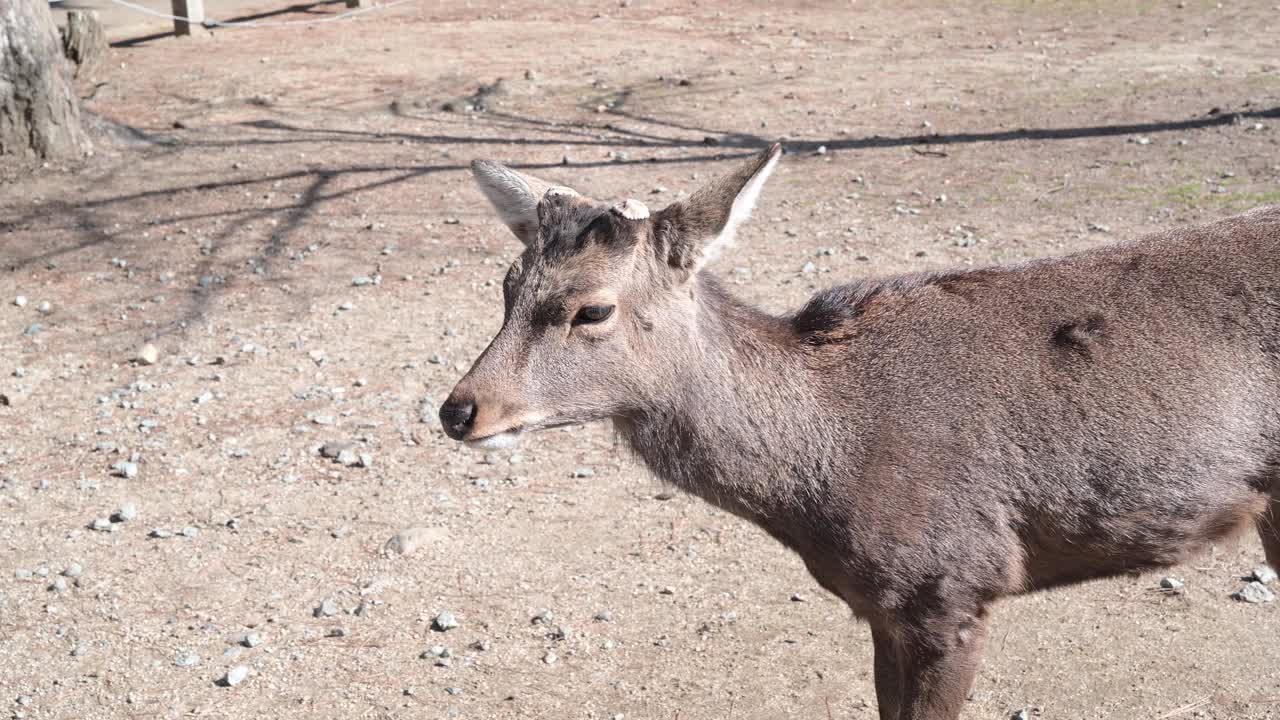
[(234, 676), (101, 525), (1172, 584), (444, 621), (410, 540), (186, 660), (1254, 593), (148, 354), (125, 469), (1264, 574), (251, 640), (327, 608), (584, 472), (74, 570), (127, 512), (550, 658)]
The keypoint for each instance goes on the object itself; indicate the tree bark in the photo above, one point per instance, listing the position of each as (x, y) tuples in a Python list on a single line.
[(84, 43), (39, 111)]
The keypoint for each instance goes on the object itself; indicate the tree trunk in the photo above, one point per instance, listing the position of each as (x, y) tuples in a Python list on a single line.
[(84, 43), (39, 111)]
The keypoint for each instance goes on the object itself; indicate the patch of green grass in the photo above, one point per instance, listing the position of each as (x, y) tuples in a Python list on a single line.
[(1195, 194), (1188, 194)]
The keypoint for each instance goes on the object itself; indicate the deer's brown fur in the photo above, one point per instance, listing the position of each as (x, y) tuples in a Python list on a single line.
[(927, 443)]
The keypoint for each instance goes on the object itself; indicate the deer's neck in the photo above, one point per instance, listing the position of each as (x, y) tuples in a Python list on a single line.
[(739, 422)]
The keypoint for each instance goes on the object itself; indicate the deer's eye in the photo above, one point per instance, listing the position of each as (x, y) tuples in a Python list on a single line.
[(590, 314)]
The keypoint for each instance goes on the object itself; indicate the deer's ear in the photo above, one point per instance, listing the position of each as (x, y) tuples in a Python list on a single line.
[(694, 231), (514, 195)]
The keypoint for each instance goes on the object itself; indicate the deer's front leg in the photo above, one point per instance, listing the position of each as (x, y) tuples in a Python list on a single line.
[(888, 672), (940, 654)]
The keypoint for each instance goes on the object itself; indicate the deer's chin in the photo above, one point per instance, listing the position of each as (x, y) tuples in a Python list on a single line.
[(497, 441)]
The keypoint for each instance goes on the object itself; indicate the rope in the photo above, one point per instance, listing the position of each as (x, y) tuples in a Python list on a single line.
[(256, 23)]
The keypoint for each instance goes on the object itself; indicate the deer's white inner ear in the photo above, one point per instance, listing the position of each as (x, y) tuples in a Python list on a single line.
[(743, 204), (514, 195)]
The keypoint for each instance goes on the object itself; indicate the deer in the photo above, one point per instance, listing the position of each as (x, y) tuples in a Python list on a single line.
[(927, 443)]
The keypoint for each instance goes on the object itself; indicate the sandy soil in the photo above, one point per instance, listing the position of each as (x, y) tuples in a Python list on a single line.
[(248, 178)]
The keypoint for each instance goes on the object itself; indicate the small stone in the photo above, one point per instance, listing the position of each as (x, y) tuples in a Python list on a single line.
[(20, 301), (337, 632), (101, 524), (23, 574), (668, 590), (127, 512), (1172, 584), (361, 280), (1254, 593), (235, 676), (664, 495), (584, 472), (160, 533), (1263, 574), (187, 660), (58, 585), (808, 268), (410, 540), (25, 700), (334, 448), (148, 354), (444, 621), (822, 150), (203, 398), (604, 616), (74, 570), (324, 420), (125, 469), (453, 690), (251, 640), (190, 531), (364, 460), (550, 658), (347, 458), (327, 608), (44, 308), (1020, 715), (543, 617), (798, 598)]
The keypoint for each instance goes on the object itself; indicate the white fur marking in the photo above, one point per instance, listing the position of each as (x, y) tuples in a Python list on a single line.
[(632, 209), (743, 204)]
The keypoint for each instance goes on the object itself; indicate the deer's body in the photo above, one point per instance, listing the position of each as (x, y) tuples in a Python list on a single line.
[(930, 443)]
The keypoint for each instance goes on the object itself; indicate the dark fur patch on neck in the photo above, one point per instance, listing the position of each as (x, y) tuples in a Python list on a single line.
[(829, 315)]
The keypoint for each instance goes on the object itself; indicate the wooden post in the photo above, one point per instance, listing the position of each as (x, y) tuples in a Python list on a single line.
[(192, 9)]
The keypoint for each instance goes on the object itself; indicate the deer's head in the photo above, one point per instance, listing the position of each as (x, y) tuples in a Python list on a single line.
[(600, 308)]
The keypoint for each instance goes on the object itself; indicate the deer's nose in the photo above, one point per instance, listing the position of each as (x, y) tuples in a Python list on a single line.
[(458, 415)]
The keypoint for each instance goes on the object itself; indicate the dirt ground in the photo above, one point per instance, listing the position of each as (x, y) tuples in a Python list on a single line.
[(244, 182)]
